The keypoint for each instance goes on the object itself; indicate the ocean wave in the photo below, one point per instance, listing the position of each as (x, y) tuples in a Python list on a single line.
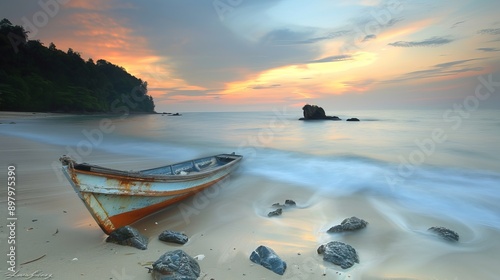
[(464, 195)]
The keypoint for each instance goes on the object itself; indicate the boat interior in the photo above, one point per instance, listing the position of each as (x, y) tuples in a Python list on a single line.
[(182, 168)]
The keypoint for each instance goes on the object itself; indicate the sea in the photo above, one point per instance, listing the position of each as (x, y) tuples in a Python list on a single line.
[(437, 163), (442, 162)]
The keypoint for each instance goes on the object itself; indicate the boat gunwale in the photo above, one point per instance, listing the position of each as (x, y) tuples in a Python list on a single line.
[(138, 176)]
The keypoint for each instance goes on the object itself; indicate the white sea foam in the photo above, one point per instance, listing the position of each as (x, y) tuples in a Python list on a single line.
[(463, 195)]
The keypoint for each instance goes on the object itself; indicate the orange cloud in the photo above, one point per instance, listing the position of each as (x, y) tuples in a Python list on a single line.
[(94, 5), (304, 81), (98, 36)]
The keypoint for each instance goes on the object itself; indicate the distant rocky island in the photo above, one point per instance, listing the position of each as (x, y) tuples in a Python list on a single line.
[(314, 112), (36, 78)]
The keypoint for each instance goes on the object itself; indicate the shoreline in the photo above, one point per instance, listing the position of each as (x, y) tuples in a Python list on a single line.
[(227, 227), (20, 114)]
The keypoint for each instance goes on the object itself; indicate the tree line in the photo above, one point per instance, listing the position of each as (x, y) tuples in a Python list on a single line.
[(37, 78)]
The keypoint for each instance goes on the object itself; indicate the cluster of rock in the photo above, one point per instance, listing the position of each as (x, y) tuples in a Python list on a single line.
[(170, 114), (342, 254), (130, 236), (279, 211), (177, 265), (339, 253), (314, 112), (173, 265)]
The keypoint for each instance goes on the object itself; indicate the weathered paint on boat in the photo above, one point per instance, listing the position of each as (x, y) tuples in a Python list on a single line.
[(117, 198)]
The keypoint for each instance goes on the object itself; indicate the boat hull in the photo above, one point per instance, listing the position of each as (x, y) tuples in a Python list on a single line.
[(118, 200)]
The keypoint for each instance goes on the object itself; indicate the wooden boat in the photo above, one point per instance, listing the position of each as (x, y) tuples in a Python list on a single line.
[(117, 198)]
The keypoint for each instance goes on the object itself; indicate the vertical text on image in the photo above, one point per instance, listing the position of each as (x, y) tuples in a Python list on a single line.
[(11, 217)]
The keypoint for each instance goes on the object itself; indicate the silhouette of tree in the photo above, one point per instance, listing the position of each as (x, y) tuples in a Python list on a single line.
[(38, 78)]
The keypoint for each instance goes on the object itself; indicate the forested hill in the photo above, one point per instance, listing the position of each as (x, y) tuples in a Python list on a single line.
[(37, 78)]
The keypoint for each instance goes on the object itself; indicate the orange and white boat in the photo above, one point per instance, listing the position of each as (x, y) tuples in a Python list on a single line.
[(117, 198)]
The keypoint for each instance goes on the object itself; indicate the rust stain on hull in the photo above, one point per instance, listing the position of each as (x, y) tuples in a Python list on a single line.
[(110, 223), (97, 211), (130, 217)]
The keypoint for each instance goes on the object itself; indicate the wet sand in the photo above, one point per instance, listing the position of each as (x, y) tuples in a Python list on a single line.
[(225, 224)]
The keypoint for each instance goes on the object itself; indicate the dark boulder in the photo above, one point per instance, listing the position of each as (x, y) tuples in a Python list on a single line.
[(276, 212), (266, 257), (176, 265), (446, 234), (339, 253), (314, 112), (290, 202), (353, 120), (349, 224), (129, 236), (173, 236)]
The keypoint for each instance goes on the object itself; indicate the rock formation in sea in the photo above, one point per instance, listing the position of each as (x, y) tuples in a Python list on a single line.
[(353, 120), (314, 112)]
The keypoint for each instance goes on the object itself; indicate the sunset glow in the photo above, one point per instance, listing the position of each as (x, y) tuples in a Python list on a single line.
[(260, 53)]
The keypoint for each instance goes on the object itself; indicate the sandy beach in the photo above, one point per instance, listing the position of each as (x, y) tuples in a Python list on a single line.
[(224, 226)]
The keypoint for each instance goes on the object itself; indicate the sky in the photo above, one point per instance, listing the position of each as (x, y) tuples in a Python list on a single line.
[(254, 55)]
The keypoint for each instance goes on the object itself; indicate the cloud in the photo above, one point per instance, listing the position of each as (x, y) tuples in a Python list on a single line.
[(329, 36), (265, 87), (369, 37), (361, 83), (393, 21), (290, 37), (97, 5), (333, 58), (457, 23), (431, 42), (209, 53), (439, 70), (188, 92), (490, 31), (340, 33), (452, 63), (286, 36), (488, 49)]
